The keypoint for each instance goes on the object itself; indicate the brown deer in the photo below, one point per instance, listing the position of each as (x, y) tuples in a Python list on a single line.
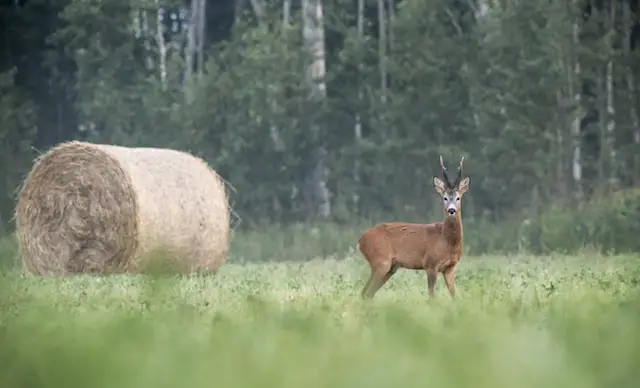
[(435, 248)]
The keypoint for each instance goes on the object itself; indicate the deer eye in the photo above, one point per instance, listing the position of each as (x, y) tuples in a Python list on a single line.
[(457, 198), (445, 198)]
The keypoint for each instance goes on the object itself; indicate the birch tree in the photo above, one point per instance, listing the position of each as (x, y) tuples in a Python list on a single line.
[(610, 107), (392, 8), (161, 44), (357, 131), (314, 46), (382, 49), (286, 12), (574, 85), (627, 22)]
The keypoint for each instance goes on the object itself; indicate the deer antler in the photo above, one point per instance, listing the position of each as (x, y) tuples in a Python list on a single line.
[(444, 173), (459, 177)]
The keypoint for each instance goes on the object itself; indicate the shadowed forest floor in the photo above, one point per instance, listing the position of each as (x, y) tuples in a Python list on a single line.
[(519, 322)]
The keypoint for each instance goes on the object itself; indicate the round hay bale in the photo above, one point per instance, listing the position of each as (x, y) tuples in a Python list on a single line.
[(104, 209)]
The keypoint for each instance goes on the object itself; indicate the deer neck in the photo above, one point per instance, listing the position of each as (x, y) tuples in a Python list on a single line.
[(452, 229)]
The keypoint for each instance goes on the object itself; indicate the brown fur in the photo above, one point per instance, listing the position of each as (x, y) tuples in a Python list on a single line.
[(435, 248)]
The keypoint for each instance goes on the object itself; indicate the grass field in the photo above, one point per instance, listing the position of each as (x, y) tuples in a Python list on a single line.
[(519, 322)]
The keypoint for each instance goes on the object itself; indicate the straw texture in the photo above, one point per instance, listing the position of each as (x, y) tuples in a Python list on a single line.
[(104, 209)]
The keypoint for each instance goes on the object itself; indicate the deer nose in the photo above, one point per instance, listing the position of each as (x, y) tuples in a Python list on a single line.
[(451, 210)]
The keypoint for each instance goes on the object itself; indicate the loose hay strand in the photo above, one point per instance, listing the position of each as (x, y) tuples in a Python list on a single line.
[(101, 209)]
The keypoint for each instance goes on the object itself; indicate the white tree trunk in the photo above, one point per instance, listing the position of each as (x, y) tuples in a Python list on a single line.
[(611, 120), (357, 131), (560, 146), (601, 102), (392, 13), (479, 12), (286, 12), (382, 49), (162, 47), (627, 15), (258, 9), (201, 34), (145, 33), (313, 37), (575, 80), (480, 8)]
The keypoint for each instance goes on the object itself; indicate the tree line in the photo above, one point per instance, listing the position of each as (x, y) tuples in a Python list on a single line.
[(337, 109)]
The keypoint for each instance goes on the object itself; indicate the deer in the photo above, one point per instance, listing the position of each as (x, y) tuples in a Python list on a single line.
[(435, 248)]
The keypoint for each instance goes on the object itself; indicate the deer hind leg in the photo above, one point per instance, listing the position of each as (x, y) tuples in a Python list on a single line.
[(379, 276), (449, 275), (432, 276), (365, 291)]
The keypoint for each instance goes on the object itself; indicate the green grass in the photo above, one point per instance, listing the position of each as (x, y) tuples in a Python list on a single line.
[(519, 322)]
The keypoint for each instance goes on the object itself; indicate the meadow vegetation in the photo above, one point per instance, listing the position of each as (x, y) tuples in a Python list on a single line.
[(541, 98), (520, 321)]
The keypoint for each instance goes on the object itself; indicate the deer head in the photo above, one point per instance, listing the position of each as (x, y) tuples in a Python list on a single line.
[(451, 193)]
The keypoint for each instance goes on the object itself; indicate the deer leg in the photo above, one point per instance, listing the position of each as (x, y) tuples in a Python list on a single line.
[(449, 275), (432, 276), (364, 292), (379, 277), (383, 280)]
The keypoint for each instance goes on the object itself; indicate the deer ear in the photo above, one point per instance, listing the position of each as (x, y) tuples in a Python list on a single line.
[(463, 186), (439, 185)]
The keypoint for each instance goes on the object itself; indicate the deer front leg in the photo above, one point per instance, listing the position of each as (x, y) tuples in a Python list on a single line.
[(449, 275)]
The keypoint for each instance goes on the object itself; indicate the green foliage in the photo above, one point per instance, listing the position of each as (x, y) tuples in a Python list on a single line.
[(295, 242), (253, 115), (482, 236), (526, 322), (17, 129), (9, 252), (609, 223), (117, 71)]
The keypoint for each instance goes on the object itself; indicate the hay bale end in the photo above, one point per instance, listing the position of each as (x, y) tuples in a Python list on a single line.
[(103, 209)]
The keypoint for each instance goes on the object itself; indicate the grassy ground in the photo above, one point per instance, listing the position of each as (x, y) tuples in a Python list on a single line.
[(520, 322)]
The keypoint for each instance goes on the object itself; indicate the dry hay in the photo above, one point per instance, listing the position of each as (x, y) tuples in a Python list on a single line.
[(104, 209)]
